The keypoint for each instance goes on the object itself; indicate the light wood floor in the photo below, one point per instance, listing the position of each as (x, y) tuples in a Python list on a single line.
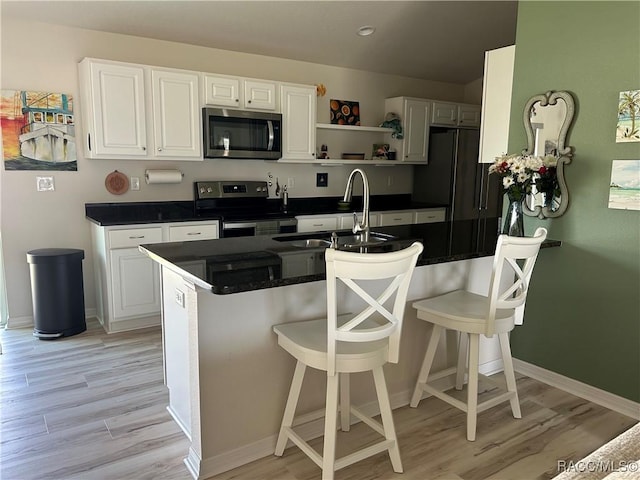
[(92, 406)]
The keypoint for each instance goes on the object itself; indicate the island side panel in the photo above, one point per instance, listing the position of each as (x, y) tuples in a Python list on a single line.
[(244, 376)]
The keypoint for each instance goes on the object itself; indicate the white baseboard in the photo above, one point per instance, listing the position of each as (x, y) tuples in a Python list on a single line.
[(26, 321), (19, 322), (606, 399)]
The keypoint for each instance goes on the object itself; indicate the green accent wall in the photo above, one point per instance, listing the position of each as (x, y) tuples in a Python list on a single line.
[(583, 311)]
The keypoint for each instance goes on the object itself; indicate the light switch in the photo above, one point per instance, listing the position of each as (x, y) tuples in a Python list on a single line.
[(135, 183)]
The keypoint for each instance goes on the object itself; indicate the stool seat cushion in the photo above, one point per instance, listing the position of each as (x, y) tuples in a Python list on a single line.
[(463, 311), (307, 342)]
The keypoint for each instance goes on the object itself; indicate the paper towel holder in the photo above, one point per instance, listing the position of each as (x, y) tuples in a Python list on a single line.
[(163, 176)]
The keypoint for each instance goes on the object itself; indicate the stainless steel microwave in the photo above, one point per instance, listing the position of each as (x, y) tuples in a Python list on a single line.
[(241, 134)]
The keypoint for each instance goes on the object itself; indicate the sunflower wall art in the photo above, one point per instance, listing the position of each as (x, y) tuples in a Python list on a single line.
[(344, 112)]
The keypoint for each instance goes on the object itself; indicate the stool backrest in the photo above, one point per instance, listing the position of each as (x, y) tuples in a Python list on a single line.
[(350, 267), (519, 253)]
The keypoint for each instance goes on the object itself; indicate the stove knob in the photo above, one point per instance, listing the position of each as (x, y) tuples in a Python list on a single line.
[(201, 189), (258, 189), (209, 189)]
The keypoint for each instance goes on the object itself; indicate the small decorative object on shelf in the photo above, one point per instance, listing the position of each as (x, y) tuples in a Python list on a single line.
[(344, 112), (519, 174), (380, 151), (324, 152), (392, 120)]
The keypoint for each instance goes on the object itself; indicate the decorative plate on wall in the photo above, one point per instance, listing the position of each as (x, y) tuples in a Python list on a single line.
[(344, 112), (116, 183)]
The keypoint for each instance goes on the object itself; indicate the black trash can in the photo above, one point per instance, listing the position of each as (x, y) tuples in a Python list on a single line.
[(57, 292)]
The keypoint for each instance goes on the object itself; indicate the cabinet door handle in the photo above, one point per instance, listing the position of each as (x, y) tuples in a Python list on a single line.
[(237, 99), (248, 101), (134, 238), (159, 149), (318, 224), (144, 148), (194, 233)]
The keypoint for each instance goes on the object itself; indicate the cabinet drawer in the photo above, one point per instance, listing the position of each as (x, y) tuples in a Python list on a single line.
[(346, 221), (134, 237), (396, 218), (317, 224), (430, 216), (185, 233)]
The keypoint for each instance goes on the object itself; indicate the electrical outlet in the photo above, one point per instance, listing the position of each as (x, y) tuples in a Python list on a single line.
[(135, 183), (290, 183), (322, 179), (180, 297), (45, 184)]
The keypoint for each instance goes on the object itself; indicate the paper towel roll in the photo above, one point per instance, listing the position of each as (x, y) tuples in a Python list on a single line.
[(163, 176)]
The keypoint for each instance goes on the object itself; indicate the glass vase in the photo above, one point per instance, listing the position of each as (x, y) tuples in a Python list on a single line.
[(514, 219)]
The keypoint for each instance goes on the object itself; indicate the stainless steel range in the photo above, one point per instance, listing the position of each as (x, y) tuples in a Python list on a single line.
[(244, 207)]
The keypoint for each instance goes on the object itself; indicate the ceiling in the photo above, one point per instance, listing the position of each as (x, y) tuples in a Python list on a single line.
[(432, 40)]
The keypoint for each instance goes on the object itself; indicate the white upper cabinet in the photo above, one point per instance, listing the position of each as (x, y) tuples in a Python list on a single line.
[(113, 110), (243, 93), (417, 131), (444, 114), (299, 121), (138, 112), (496, 103), (222, 91), (259, 95), (454, 114), (468, 115), (176, 118), (414, 117)]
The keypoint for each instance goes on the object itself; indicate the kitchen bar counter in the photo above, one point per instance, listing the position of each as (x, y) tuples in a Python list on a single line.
[(219, 349), (131, 213), (274, 261)]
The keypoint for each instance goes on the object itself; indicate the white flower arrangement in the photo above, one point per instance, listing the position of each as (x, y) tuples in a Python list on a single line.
[(517, 172)]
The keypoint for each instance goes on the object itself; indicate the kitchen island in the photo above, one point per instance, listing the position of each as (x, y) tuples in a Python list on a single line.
[(227, 377)]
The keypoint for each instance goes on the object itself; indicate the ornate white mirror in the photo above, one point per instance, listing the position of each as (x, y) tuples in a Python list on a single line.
[(547, 119)]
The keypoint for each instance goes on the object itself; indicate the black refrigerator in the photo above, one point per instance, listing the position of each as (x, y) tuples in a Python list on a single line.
[(453, 177)]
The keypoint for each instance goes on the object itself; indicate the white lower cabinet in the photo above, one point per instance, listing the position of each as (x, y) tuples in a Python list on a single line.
[(317, 223), (344, 221), (128, 281), (404, 217), (135, 284), (302, 263), (429, 215), (196, 231)]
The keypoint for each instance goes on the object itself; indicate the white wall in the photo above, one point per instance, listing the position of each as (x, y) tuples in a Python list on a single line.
[(44, 57)]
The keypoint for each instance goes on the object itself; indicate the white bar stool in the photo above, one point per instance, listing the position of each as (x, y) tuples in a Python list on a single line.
[(473, 315), (348, 344)]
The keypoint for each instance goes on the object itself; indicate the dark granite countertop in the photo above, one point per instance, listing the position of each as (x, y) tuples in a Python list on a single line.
[(131, 213), (242, 264)]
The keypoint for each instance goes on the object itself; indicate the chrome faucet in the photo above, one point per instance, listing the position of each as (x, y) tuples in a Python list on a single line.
[(359, 227)]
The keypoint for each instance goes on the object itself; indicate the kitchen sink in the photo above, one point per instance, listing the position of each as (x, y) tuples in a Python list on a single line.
[(313, 240), (311, 243)]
